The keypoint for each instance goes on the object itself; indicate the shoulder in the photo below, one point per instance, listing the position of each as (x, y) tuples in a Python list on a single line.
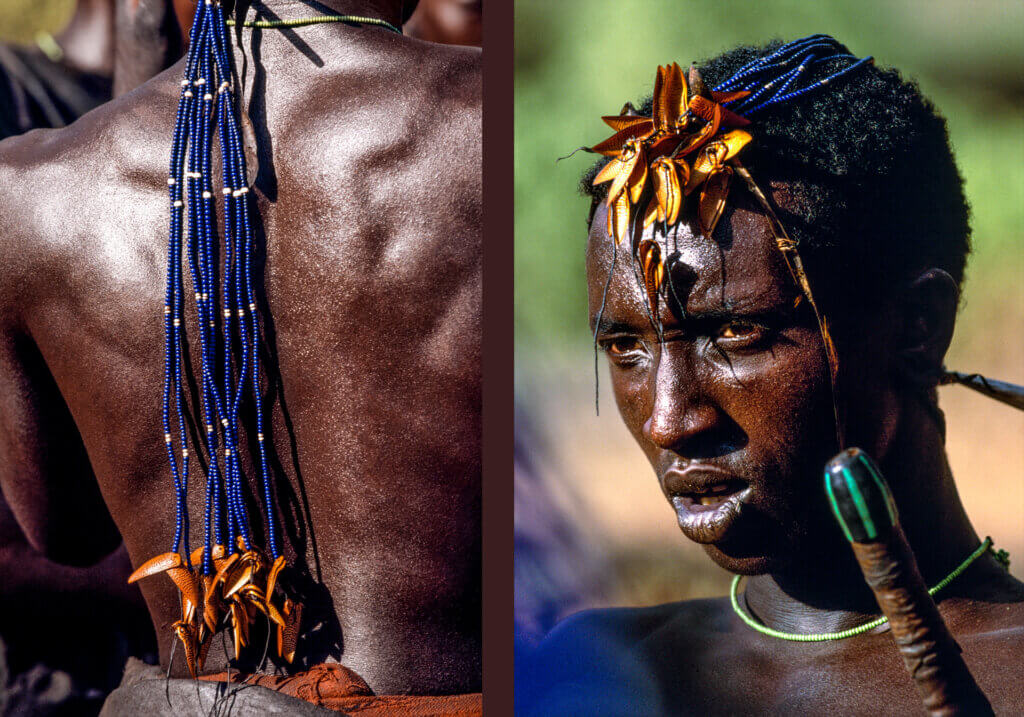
[(455, 71), (443, 112), (404, 83), (110, 143), (616, 654), (995, 622), (632, 627), (58, 187), (398, 122)]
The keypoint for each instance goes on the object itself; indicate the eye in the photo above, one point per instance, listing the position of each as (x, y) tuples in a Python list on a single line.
[(741, 334), (624, 350), (737, 330), (622, 346)]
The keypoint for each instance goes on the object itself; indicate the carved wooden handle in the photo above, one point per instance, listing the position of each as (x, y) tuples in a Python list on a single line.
[(865, 509)]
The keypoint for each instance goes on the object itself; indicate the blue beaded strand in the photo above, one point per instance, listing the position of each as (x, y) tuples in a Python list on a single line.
[(225, 297), (783, 78), (783, 57)]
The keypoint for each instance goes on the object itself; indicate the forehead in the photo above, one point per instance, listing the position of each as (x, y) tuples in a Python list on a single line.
[(739, 267)]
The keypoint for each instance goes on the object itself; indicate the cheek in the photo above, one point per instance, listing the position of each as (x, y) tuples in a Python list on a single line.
[(634, 399), (782, 400), (870, 394)]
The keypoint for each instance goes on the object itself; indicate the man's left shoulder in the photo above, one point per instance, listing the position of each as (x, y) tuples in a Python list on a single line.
[(991, 623), (594, 637), (608, 661)]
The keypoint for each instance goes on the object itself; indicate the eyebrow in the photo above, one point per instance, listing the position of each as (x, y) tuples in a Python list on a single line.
[(608, 326), (711, 316)]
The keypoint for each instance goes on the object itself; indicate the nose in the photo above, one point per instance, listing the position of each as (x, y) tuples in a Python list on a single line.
[(684, 418)]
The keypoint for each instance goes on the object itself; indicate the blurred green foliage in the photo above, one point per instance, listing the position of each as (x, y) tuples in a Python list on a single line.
[(20, 20), (579, 59)]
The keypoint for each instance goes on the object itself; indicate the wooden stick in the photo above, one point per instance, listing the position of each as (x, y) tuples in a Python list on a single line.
[(865, 509)]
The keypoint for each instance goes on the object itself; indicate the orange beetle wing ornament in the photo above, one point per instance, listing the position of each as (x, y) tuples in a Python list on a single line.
[(712, 199), (618, 219), (157, 564), (653, 272)]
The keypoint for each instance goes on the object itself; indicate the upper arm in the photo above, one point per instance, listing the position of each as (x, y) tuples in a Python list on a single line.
[(587, 665), (45, 474)]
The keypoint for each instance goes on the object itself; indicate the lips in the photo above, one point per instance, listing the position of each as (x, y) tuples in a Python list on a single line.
[(707, 500)]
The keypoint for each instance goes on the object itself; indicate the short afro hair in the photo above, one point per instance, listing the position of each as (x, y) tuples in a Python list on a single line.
[(872, 189)]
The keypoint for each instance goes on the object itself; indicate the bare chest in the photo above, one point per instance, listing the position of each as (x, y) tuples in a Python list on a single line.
[(753, 674)]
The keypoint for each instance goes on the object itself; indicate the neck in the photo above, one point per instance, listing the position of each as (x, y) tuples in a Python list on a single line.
[(825, 592)]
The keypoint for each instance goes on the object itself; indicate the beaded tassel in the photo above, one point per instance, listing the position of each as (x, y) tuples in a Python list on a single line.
[(227, 576)]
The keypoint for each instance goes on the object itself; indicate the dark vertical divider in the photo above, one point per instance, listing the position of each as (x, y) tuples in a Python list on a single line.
[(497, 358)]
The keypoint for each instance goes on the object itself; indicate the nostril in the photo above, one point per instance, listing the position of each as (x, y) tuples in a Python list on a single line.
[(670, 428), (701, 431), (655, 432)]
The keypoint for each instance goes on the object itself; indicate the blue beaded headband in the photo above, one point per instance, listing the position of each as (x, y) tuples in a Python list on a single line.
[(779, 66)]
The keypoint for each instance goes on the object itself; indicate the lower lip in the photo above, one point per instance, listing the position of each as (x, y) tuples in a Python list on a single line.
[(707, 524)]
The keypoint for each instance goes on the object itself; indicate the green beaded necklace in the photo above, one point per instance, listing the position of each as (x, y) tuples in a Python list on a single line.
[(304, 21), (1002, 556)]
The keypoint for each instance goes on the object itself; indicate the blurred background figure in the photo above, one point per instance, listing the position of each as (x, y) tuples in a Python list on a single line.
[(451, 22), (567, 75), (65, 631), (50, 78), (59, 58), (87, 41), (559, 568), (151, 36)]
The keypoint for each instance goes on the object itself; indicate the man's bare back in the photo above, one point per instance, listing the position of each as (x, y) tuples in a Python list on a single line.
[(369, 194)]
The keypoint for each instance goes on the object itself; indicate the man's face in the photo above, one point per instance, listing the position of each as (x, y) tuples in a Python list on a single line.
[(733, 408)]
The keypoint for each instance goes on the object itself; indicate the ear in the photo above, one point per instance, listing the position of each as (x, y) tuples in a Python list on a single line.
[(928, 309)]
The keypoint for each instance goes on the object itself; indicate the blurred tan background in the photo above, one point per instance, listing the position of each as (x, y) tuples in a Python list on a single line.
[(577, 60), (20, 20)]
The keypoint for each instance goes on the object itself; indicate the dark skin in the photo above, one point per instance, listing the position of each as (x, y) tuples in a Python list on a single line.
[(736, 401), (369, 192)]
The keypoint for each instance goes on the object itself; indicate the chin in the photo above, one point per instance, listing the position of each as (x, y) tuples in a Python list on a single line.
[(750, 544), (815, 548), (739, 564)]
